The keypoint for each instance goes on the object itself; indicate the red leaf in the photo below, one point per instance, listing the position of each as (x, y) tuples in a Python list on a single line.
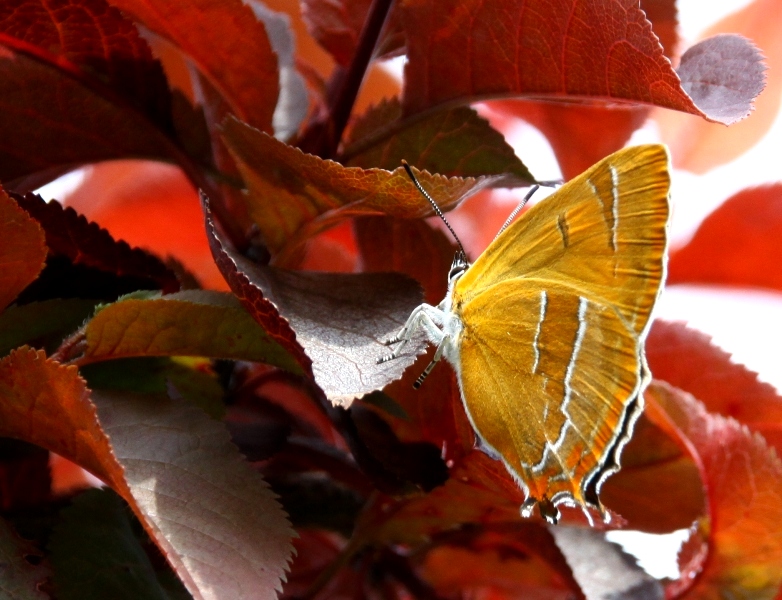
[(227, 43), (738, 244), (743, 480), (407, 246), (580, 135), (518, 561), (53, 121), (90, 37), (658, 489), (594, 50), (339, 320), (84, 243), (336, 25), (23, 251), (662, 15), (687, 359)]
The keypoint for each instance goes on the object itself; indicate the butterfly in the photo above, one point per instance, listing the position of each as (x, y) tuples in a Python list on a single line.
[(545, 330)]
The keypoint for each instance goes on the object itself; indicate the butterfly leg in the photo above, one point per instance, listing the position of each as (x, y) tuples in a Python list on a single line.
[(425, 317), (438, 354)]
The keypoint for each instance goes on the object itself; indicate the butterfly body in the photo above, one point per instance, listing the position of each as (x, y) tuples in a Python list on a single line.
[(545, 330)]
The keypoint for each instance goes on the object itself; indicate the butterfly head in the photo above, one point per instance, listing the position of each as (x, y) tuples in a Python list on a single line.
[(458, 267)]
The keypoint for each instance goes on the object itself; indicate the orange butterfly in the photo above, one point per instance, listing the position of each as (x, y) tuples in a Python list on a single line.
[(546, 329)]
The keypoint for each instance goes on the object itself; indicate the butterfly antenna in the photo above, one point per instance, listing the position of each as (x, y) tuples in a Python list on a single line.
[(516, 210), (434, 205)]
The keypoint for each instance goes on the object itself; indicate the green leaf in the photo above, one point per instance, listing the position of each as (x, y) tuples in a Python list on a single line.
[(42, 324), (192, 323), (453, 142), (152, 375), (96, 553), (19, 578)]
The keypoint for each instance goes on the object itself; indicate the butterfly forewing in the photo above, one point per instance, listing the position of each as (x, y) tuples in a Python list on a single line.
[(554, 314), (603, 234)]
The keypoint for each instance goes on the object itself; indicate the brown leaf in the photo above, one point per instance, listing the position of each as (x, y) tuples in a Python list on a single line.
[(687, 359), (590, 50), (743, 480), (455, 142), (737, 244), (213, 518), (695, 145), (92, 37), (339, 320), (23, 251), (53, 121), (227, 43), (292, 195)]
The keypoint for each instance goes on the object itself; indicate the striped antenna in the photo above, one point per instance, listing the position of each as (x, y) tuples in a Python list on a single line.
[(516, 210), (434, 205)]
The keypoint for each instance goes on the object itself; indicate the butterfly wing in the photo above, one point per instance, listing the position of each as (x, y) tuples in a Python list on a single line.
[(546, 376), (554, 314), (603, 234)]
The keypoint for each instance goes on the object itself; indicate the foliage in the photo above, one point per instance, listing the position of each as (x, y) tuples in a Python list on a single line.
[(254, 316)]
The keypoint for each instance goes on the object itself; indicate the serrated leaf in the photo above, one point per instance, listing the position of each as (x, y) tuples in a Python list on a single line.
[(59, 122), (293, 195), (589, 50), (96, 555), (227, 43), (191, 323), (158, 376), (334, 324), (23, 251), (689, 360), (85, 243), (19, 579), (90, 37), (454, 142), (618, 575), (42, 323), (211, 515), (743, 480)]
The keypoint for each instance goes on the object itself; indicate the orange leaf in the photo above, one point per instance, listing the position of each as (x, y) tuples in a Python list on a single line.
[(227, 43), (292, 195), (22, 252), (591, 50), (213, 518), (737, 244), (743, 480)]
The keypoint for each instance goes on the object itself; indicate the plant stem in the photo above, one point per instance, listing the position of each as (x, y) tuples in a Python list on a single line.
[(322, 138)]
